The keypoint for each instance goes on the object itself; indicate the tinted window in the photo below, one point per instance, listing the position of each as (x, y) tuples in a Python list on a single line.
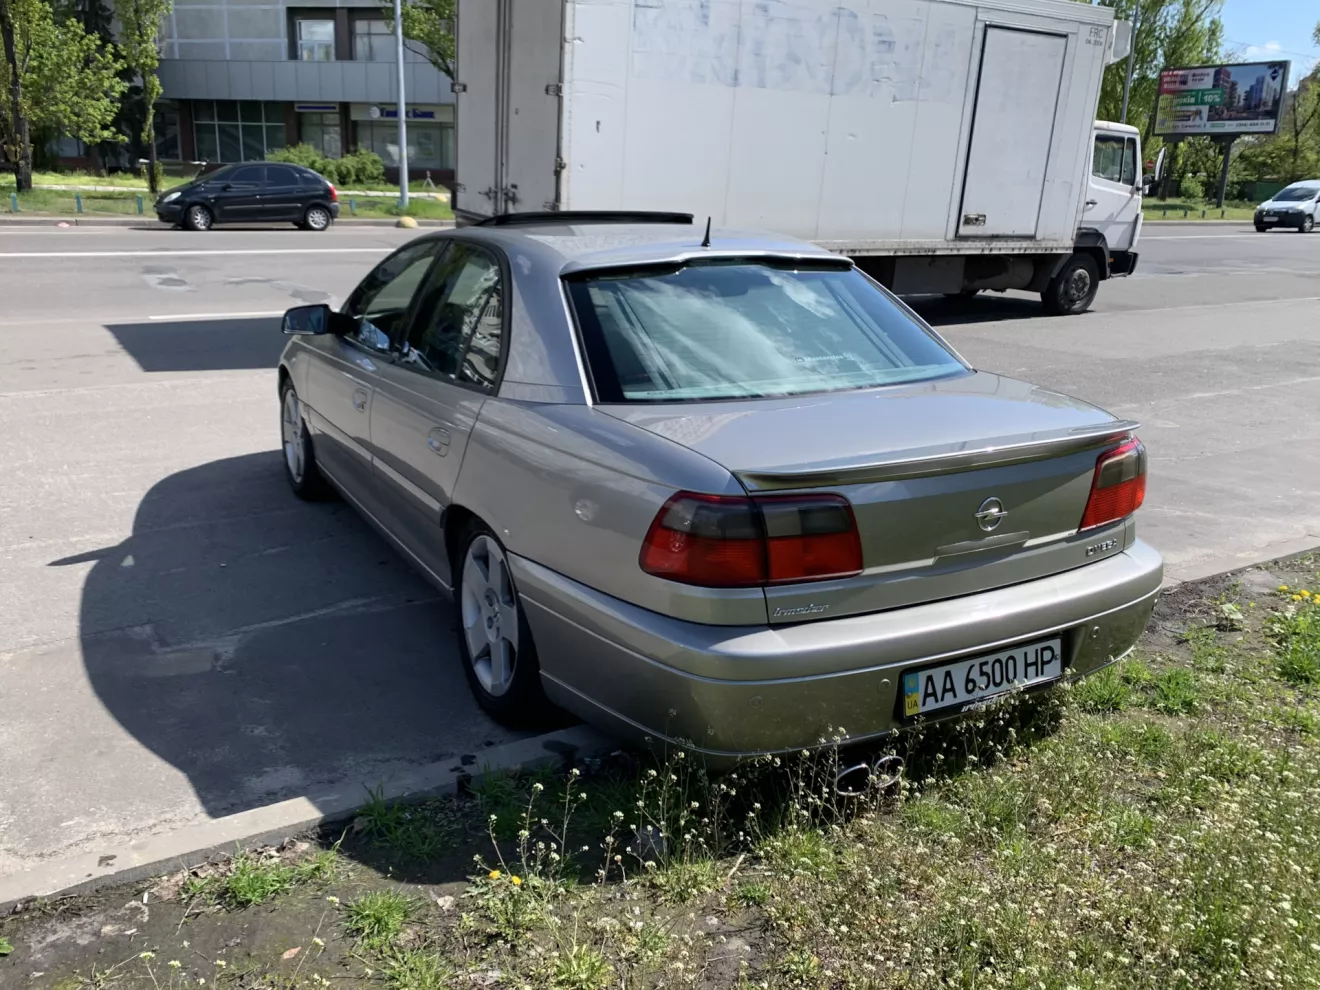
[(1296, 194), (281, 175), (744, 329), (460, 323), (312, 180), (381, 301), (246, 174), (219, 175)]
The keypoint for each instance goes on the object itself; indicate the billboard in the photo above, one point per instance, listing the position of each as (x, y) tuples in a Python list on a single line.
[(1221, 99)]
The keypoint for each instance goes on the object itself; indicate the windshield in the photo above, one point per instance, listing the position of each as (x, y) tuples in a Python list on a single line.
[(1294, 193), (747, 329)]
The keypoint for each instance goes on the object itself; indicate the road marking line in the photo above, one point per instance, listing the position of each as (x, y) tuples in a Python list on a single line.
[(217, 316), (1202, 237), (168, 253)]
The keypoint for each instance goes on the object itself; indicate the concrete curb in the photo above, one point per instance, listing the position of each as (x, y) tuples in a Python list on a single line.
[(192, 845), (1200, 570), (18, 220)]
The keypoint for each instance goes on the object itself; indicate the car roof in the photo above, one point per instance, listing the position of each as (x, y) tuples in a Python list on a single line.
[(565, 248)]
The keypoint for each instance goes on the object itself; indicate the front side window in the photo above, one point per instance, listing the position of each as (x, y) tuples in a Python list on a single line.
[(1107, 162), (247, 177), (381, 301), (316, 40), (460, 323), (745, 329)]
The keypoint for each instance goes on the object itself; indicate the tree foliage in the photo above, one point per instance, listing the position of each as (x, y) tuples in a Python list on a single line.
[(428, 28), (56, 77), (139, 28)]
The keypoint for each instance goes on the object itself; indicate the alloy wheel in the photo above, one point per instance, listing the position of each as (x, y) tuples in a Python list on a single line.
[(318, 218), (199, 218), (291, 428), (489, 611)]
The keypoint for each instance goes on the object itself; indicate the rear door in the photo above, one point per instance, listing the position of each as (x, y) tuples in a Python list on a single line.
[(283, 196), (428, 399), (238, 200), (1017, 95), (480, 61)]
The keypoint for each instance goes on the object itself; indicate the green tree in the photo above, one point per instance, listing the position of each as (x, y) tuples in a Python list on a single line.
[(429, 25), (139, 23), (56, 77)]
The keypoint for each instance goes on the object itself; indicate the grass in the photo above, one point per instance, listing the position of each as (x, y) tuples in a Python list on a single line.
[(423, 208), (1156, 825), (64, 203), (1187, 209)]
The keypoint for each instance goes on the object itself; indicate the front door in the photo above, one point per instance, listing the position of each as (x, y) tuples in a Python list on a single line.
[(1113, 194), (238, 200), (282, 198), (341, 379), (428, 399)]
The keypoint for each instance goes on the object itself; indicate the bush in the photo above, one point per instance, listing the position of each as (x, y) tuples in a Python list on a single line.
[(362, 167), (1191, 187)]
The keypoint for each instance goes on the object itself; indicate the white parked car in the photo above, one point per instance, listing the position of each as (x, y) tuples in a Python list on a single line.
[(1297, 206)]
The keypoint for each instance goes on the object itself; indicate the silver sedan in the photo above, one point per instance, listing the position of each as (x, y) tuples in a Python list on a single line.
[(717, 489)]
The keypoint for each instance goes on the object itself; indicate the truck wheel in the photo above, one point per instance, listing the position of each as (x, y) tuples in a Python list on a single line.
[(1073, 289)]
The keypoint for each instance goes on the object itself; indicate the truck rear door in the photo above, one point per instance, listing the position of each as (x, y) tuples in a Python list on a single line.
[(1017, 96), (476, 107)]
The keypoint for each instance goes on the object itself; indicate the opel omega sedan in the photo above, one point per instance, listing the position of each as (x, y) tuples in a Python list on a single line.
[(718, 488)]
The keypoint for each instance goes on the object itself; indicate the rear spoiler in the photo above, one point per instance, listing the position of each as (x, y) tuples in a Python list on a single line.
[(925, 462)]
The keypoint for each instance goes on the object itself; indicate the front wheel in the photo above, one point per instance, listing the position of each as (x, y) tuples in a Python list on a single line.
[(316, 218), (1308, 224), (1073, 289), (494, 639), (1261, 228), (300, 467), (198, 217)]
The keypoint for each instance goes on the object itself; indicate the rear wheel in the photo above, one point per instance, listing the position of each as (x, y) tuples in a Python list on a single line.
[(1073, 289), (198, 217), (494, 640), (316, 218)]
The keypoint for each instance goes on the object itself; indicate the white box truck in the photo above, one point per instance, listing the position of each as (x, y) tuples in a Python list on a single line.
[(947, 146)]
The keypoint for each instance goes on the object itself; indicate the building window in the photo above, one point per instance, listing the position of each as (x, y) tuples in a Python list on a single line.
[(316, 39), (237, 130), (167, 133), (430, 145), (373, 41), (321, 131)]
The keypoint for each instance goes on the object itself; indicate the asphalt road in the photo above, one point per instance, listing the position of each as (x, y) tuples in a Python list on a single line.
[(180, 638)]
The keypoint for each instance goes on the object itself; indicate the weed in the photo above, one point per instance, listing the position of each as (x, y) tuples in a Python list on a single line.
[(683, 881), (1104, 691), (1207, 652), (581, 967), (1174, 692), (251, 878), (752, 894), (412, 831), (5, 947), (416, 969), (801, 967), (376, 919), (1295, 632)]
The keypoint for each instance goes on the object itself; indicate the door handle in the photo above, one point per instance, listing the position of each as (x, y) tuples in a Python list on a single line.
[(1092, 202), (360, 400), (438, 441)]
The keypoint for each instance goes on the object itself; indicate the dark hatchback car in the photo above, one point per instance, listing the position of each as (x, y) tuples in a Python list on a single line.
[(259, 192)]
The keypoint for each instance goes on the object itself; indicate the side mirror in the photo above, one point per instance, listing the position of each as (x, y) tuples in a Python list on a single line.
[(307, 320), (226, 187)]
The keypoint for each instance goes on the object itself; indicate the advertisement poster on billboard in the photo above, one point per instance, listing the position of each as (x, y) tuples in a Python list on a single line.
[(1221, 100)]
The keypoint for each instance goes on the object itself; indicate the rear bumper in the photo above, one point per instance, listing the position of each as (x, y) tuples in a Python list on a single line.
[(736, 691), (334, 211)]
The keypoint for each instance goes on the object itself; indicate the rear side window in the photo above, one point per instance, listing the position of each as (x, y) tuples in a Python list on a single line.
[(312, 181), (281, 175), (743, 330)]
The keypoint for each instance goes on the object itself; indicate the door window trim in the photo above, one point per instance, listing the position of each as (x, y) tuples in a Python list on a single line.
[(506, 321)]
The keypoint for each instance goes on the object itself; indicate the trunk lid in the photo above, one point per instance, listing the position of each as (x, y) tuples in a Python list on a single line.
[(958, 485)]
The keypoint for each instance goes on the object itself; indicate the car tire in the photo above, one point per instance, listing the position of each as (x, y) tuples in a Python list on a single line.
[(316, 218), (1073, 289), (198, 217), (1261, 228), (1308, 224), (300, 467), (494, 639)]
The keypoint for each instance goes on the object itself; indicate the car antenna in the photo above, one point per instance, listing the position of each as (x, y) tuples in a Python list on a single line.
[(705, 241)]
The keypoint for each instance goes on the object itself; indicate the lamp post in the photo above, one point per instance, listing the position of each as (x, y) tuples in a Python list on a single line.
[(402, 110)]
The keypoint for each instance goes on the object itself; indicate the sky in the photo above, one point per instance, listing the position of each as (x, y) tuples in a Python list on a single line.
[(1274, 29)]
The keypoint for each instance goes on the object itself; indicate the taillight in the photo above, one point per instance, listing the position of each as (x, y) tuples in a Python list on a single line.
[(724, 541), (1119, 485), (334, 193)]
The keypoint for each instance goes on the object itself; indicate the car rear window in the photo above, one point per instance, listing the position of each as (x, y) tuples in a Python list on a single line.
[(747, 329)]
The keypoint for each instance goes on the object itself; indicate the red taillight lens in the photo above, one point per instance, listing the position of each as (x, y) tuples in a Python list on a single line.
[(711, 540), (810, 538), (1119, 485), (723, 541), (334, 193)]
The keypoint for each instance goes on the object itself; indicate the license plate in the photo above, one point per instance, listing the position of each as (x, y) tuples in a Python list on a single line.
[(1269, 218), (965, 682)]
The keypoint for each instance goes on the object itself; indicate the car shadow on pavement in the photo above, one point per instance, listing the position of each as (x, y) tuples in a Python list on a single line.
[(991, 307), (269, 648), (234, 343)]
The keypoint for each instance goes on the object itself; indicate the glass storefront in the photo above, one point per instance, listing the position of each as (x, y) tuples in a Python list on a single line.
[(237, 130)]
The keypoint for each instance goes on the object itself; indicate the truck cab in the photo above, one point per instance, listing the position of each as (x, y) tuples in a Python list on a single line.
[(1111, 215)]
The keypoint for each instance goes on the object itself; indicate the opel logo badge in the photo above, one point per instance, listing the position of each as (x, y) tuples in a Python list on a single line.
[(990, 514)]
